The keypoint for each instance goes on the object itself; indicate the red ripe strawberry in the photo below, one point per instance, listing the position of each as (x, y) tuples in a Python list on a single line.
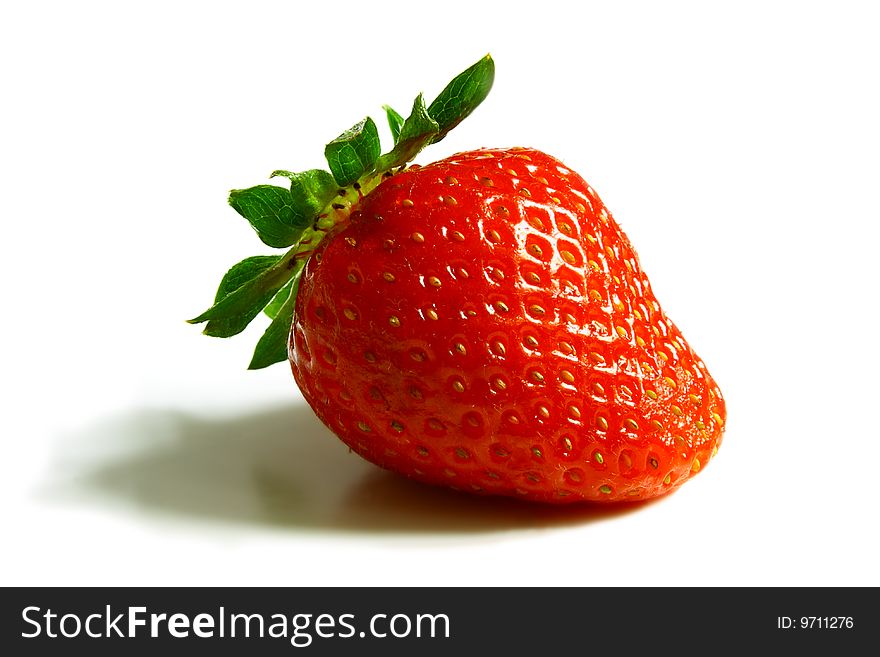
[(483, 323)]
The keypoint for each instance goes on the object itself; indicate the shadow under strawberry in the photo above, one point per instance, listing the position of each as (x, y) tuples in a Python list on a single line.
[(278, 467)]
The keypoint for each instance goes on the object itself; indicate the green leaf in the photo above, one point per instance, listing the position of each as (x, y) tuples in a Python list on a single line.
[(278, 300), (241, 272), (313, 189), (272, 347), (462, 95), (418, 131), (244, 291), (395, 121), (269, 209), (310, 191), (353, 153)]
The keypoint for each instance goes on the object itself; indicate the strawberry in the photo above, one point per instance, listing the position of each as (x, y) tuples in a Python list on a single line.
[(481, 322)]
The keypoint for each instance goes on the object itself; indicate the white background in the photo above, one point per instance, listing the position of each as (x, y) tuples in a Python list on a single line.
[(738, 148)]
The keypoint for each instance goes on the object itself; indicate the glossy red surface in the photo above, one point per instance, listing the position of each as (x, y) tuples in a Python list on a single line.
[(483, 323)]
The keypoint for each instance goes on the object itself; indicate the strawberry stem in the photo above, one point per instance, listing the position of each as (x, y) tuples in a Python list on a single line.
[(298, 217)]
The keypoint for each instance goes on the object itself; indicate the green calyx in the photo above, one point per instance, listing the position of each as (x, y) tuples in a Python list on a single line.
[(297, 217)]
